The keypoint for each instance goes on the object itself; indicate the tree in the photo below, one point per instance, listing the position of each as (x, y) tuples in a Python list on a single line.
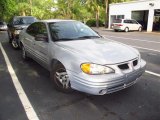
[(95, 6), (7, 8)]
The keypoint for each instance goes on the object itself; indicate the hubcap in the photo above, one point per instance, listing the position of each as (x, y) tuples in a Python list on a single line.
[(14, 44), (62, 77)]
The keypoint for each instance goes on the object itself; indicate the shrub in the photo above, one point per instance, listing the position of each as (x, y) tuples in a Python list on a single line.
[(92, 23)]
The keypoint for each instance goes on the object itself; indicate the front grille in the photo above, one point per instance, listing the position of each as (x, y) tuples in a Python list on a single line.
[(123, 66)]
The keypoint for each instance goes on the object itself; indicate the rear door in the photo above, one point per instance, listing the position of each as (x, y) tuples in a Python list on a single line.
[(127, 23), (29, 38), (41, 46)]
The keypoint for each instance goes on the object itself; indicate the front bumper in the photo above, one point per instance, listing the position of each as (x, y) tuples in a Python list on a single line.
[(105, 84)]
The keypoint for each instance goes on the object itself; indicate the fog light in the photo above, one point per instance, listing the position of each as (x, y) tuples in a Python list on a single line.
[(102, 92)]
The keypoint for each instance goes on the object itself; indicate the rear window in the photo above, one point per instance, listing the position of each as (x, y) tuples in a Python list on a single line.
[(117, 21)]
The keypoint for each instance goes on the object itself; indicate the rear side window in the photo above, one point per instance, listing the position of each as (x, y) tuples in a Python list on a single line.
[(127, 21), (117, 21), (36, 29), (32, 29)]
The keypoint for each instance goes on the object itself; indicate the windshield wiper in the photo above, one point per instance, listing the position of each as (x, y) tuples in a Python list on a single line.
[(88, 37), (64, 39)]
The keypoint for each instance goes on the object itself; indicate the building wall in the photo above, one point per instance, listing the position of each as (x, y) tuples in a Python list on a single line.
[(127, 8)]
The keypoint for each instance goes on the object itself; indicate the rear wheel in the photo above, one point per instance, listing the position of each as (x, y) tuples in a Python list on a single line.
[(14, 44), (126, 29), (116, 30), (60, 78)]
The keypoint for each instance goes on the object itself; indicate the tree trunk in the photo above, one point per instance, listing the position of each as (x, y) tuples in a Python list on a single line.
[(97, 18), (30, 2), (23, 13), (107, 13)]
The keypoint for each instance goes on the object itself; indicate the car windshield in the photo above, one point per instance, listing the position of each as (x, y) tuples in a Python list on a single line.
[(2, 23), (117, 21), (24, 20), (71, 30)]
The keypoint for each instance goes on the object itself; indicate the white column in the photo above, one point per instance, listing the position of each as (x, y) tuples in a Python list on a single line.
[(109, 21), (150, 20)]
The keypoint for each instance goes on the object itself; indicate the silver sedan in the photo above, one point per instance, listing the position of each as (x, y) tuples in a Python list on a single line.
[(80, 59)]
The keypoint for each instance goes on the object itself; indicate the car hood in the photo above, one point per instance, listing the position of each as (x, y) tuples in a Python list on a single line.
[(100, 51), (21, 26)]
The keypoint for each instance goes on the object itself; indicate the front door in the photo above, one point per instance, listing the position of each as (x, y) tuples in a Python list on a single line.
[(135, 25), (29, 38)]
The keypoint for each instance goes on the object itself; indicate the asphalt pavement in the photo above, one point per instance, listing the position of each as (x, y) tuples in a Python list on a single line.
[(139, 102)]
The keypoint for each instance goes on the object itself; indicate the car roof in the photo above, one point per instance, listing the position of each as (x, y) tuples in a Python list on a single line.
[(54, 20)]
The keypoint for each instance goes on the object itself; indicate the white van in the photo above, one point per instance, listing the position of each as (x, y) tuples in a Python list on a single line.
[(126, 25)]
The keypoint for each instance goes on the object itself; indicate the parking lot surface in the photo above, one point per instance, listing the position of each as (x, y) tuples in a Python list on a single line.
[(139, 102)]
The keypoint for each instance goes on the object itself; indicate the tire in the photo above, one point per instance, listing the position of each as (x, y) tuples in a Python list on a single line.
[(126, 29), (140, 29), (24, 54), (58, 75), (14, 44), (116, 30)]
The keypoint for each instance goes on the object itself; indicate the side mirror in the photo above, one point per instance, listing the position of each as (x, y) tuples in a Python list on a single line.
[(41, 37)]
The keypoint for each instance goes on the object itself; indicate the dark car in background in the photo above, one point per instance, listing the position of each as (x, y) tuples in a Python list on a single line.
[(3, 26), (16, 24)]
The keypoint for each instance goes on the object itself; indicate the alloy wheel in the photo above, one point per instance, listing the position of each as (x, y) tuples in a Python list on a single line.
[(14, 44), (61, 78)]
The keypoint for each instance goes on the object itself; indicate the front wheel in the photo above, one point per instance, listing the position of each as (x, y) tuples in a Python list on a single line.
[(140, 29), (15, 44), (60, 78)]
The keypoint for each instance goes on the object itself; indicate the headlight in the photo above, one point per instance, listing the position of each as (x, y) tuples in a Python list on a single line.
[(95, 69), (17, 32)]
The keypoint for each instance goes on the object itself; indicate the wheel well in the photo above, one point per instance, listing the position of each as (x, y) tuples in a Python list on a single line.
[(125, 28), (20, 44), (54, 62)]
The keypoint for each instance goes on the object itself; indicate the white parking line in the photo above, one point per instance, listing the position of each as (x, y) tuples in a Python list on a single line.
[(145, 48), (152, 73), (134, 39), (31, 114), (135, 46)]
